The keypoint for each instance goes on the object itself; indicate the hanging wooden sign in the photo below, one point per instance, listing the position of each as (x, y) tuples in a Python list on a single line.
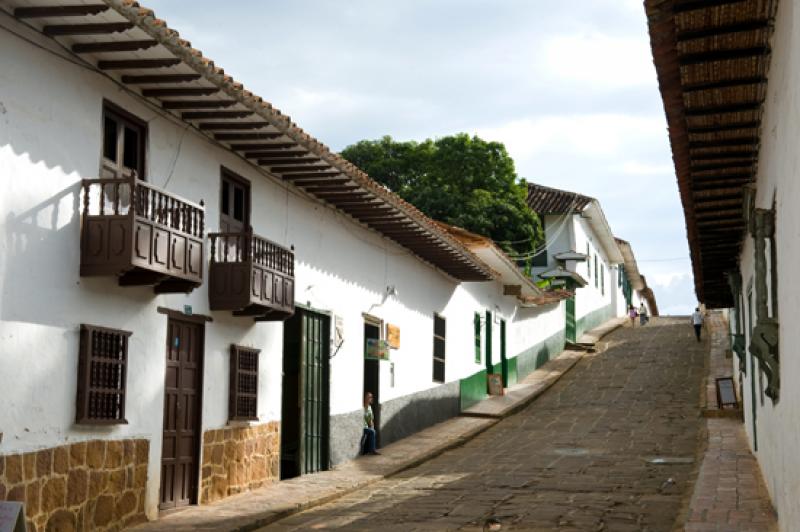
[(393, 336)]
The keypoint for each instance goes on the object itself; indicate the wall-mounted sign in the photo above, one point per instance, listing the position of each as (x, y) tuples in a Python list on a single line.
[(393, 336), (378, 349)]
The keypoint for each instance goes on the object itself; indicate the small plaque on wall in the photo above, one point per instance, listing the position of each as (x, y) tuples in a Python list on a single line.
[(393, 336), (377, 349)]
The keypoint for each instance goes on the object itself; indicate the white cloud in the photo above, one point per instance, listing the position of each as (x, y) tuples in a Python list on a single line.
[(601, 135), (598, 60), (644, 168)]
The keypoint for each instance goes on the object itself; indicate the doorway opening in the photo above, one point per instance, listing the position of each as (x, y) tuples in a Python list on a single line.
[(305, 405), (372, 375), (180, 444)]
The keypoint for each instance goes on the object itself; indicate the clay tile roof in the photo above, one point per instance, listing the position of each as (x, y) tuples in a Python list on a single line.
[(546, 200)]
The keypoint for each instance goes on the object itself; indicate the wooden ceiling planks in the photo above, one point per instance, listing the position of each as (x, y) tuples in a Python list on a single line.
[(711, 58)]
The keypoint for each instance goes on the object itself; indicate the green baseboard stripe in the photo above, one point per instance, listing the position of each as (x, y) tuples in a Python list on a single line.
[(593, 319), (473, 389)]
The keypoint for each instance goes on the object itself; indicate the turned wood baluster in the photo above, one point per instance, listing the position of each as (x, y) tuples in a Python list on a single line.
[(213, 248), (86, 198), (201, 214)]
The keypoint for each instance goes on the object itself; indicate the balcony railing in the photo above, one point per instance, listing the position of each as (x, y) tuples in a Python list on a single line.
[(251, 276), (142, 234)]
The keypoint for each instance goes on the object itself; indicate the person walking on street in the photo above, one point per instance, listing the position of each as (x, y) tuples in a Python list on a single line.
[(697, 321), (632, 315), (643, 314), (369, 437)]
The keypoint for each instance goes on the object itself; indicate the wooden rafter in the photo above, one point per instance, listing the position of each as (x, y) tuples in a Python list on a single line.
[(111, 46), (723, 29), (59, 30), (723, 84), (180, 91), (204, 115), (156, 79), (721, 109), (225, 126), (60, 11), (247, 136), (722, 55), (136, 64), (197, 104)]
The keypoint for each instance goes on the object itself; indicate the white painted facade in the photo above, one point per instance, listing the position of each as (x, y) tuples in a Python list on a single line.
[(776, 425), (50, 139)]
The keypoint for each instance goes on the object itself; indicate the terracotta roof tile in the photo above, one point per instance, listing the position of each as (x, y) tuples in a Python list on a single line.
[(547, 200)]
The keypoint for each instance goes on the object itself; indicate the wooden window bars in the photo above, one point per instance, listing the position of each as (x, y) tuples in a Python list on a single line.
[(102, 371), (438, 348), (243, 395)]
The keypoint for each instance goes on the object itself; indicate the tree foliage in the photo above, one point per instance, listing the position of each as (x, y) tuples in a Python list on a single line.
[(460, 180)]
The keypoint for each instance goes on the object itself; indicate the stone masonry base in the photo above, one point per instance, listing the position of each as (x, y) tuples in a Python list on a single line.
[(238, 459), (96, 485)]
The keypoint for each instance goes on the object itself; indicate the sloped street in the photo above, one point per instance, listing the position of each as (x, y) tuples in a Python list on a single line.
[(611, 446)]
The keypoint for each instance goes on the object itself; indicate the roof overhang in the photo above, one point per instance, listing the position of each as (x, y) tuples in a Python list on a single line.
[(561, 273), (126, 43), (712, 58), (631, 268), (571, 255), (593, 213)]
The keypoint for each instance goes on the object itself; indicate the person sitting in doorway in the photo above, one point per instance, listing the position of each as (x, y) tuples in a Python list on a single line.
[(368, 439)]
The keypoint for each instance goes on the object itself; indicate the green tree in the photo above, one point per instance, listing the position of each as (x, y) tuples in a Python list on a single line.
[(460, 180)]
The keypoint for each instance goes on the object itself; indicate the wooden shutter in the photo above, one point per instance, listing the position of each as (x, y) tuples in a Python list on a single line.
[(477, 337), (102, 372), (243, 395), (438, 348)]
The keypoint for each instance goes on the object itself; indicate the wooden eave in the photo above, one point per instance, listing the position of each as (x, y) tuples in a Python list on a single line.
[(712, 59), (126, 42)]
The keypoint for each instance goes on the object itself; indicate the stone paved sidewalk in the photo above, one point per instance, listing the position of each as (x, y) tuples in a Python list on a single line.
[(260, 507), (729, 494)]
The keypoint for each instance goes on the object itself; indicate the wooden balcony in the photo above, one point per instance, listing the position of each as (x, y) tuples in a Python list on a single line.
[(251, 276), (142, 234)]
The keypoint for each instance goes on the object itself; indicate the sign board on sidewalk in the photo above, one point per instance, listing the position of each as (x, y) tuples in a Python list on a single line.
[(726, 394), (11, 517), (495, 384)]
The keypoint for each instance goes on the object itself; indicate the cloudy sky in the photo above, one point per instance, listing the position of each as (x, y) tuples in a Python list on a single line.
[(568, 86)]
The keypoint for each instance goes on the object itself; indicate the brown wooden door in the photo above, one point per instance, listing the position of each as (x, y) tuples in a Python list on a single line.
[(182, 409)]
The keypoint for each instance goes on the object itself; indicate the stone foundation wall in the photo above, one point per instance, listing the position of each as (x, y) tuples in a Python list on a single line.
[(96, 485), (239, 459)]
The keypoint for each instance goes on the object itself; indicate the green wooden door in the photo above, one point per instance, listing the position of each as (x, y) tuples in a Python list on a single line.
[(571, 320), (488, 345), (314, 409), (503, 359)]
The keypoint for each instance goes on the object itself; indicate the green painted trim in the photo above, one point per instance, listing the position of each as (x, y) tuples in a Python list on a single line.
[(472, 389), (593, 319), (532, 358)]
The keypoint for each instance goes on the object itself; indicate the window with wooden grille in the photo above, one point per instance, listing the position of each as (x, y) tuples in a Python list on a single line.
[(243, 399), (476, 323), (102, 370), (438, 348)]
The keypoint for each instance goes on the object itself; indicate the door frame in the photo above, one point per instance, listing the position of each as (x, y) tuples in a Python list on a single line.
[(372, 321), (200, 322)]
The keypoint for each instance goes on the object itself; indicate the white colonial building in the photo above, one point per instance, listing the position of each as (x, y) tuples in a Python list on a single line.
[(729, 74), (196, 293)]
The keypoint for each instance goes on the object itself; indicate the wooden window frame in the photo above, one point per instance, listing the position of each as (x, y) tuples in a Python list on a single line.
[(122, 115), (239, 410), (230, 175), (476, 323), (443, 338), (602, 279), (96, 391)]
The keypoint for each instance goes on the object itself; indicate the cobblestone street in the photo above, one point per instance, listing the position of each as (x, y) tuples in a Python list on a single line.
[(611, 446)]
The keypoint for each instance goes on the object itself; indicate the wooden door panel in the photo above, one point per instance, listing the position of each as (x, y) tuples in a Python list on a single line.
[(183, 383)]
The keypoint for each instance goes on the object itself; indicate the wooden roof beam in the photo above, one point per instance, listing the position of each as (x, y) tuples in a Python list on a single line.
[(295, 169), (719, 166), (722, 55), (156, 79), (723, 84), (86, 29), (721, 143), (338, 189), (131, 64), (722, 109), (247, 136), (197, 104), (749, 154), (111, 46), (713, 128), (280, 148), (180, 91), (723, 29), (320, 182), (290, 177), (292, 160), (682, 6), (60, 11), (203, 115), (223, 126)]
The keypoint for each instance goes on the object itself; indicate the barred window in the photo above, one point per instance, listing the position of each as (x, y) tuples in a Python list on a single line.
[(243, 397), (102, 371), (438, 348)]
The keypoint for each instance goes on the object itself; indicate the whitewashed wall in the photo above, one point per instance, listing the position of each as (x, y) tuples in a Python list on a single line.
[(50, 138), (590, 298), (778, 424)]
